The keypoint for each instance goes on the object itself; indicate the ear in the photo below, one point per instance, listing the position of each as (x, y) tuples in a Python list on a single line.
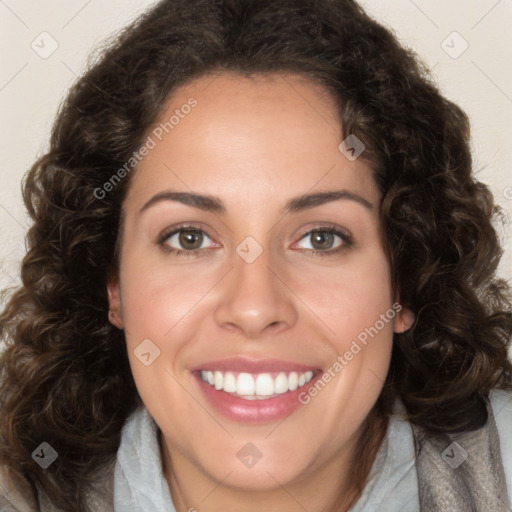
[(115, 315), (404, 319)]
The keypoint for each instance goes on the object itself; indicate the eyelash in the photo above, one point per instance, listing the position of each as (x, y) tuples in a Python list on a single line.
[(162, 239)]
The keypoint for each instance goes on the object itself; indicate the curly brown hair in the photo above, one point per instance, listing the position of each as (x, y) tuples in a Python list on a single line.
[(65, 376)]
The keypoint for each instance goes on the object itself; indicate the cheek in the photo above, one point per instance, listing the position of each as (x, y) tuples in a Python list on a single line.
[(156, 297), (166, 304), (350, 299), (354, 307), (361, 317)]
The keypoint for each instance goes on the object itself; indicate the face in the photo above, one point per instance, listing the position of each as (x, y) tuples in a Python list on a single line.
[(255, 289)]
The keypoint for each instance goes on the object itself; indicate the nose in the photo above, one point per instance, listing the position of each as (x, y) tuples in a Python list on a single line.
[(255, 298)]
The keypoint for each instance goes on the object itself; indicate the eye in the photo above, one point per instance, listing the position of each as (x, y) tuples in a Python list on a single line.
[(184, 240), (322, 240)]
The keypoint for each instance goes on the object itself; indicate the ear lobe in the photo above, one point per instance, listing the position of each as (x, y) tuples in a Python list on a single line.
[(115, 316), (404, 320)]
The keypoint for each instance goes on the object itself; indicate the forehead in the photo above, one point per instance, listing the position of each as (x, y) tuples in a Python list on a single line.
[(249, 137)]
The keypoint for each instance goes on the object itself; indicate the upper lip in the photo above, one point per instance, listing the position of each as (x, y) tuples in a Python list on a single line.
[(241, 364)]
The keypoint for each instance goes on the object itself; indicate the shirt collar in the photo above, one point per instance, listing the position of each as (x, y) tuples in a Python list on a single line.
[(139, 483)]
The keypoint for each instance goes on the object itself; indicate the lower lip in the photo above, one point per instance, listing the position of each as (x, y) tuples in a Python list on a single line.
[(253, 411)]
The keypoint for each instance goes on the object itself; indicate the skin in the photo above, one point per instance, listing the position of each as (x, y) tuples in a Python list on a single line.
[(255, 143)]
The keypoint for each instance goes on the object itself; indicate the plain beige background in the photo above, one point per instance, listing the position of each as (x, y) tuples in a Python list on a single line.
[(44, 46)]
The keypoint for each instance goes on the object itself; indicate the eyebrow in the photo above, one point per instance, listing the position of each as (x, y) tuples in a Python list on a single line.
[(213, 204)]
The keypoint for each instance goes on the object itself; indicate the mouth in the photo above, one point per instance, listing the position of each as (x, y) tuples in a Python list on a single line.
[(249, 391)]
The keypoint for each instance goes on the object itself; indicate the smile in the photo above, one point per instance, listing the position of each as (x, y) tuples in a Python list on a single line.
[(261, 386)]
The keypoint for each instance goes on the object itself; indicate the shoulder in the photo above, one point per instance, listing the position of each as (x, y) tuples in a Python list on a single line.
[(501, 402), (14, 499)]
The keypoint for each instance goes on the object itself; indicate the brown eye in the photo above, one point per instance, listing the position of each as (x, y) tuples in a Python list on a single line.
[(190, 239), (323, 241), (184, 240)]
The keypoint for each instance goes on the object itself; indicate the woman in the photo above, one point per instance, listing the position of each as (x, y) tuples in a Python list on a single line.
[(261, 276)]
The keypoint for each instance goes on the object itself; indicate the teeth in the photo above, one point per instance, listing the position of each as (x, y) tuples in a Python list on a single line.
[(264, 384), (281, 383), (293, 381), (219, 379), (229, 383), (245, 384), (256, 387)]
